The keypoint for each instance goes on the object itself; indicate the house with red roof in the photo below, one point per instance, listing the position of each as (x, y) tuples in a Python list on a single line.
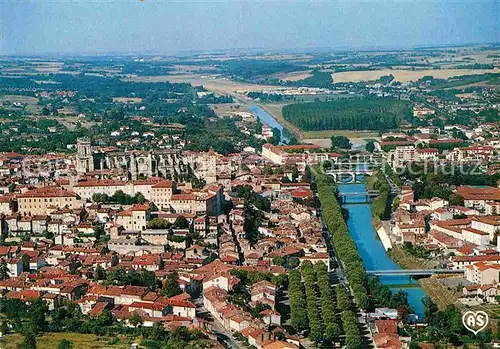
[(263, 292), (135, 218), (460, 262), (481, 293), (483, 273), (386, 326), (221, 280), (41, 201), (476, 197), (181, 307), (152, 309), (24, 295), (387, 341)]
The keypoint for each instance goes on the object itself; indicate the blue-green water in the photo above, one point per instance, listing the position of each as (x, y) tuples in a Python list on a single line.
[(371, 249)]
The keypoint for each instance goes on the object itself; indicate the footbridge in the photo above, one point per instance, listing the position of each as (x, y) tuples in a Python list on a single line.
[(413, 272)]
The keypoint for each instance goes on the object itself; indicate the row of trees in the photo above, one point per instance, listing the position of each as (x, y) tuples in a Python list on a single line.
[(315, 323), (317, 79), (332, 329), (120, 276), (342, 298), (253, 209), (95, 86), (342, 114), (298, 312), (352, 336), (268, 97), (341, 142), (159, 223), (306, 302), (342, 241)]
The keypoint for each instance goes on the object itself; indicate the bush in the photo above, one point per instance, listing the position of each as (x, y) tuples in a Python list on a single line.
[(65, 344)]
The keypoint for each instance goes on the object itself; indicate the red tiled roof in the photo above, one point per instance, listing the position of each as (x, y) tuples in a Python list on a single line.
[(386, 326), (471, 259), (387, 341), (185, 197), (47, 192), (101, 183), (164, 184)]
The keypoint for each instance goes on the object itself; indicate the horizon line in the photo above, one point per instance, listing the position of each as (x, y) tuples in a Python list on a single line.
[(342, 48)]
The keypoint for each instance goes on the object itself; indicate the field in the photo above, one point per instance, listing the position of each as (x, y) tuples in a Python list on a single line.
[(19, 99), (295, 76), (67, 111), (212, 83), (31, 102), (405, 75), (186, 68), (227, 109), (127, 99), (68, 121), (80, 341)]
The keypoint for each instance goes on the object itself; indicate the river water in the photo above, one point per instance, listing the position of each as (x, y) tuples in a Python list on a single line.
[(265, 117), (371, 250)]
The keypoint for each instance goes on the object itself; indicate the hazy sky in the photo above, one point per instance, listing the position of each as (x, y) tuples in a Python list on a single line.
[(71, 26)]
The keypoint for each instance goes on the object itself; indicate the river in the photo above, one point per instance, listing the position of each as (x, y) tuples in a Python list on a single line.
[(371, 250), (360, 227), (265, 117)]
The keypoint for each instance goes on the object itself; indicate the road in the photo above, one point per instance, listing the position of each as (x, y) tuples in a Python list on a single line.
[(339, 271), (227, 340), (223, 336)]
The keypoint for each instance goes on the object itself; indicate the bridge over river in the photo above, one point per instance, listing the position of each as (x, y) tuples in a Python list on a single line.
[(361, 196), (356, 166), (413, 272)]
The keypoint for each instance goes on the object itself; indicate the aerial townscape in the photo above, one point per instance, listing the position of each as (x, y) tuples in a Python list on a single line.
[(250, 198)]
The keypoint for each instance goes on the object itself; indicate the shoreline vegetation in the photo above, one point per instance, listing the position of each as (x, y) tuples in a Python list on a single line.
[(379, 205)]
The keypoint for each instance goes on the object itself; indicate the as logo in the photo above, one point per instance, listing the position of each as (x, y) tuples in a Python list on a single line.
[(475, 321)]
